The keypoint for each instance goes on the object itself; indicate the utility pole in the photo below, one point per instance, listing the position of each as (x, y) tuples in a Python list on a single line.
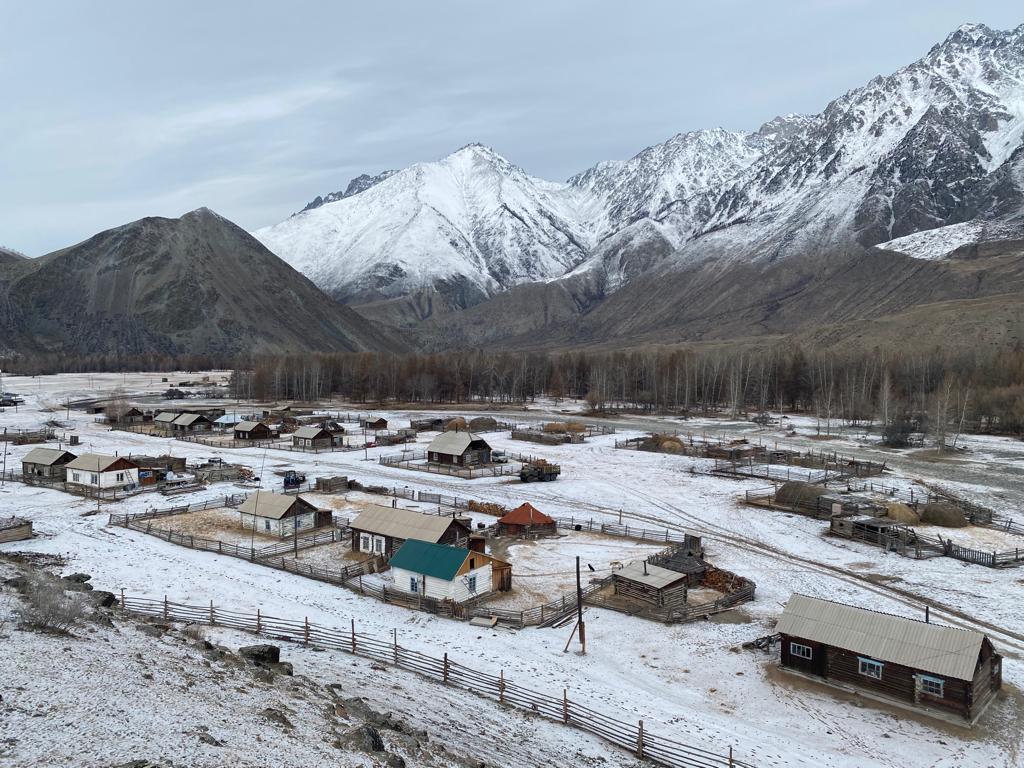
[(3, 472), (580, 625)]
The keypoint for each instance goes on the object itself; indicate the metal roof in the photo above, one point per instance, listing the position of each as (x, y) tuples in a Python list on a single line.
[(166, 416), (453, 443), (268, 504), (436, 560), (655, 576), (94, 462), (45, 456), (401, 523), (248, 426), (945, 651), (310, 432), (525, 514)]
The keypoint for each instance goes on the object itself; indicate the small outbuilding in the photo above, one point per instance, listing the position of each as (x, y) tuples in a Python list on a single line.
[(165, 420), (373, 422), (277, 514), (526, 520), (651, 584), (15, 529), (926, 666), (382, 530), (460, 449), (46, 463), (447, 573), (252, 430), (98, 471)]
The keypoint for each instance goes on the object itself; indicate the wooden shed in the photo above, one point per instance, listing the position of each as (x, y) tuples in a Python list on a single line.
[(252, 430), (317, 437), (924, 665), (651, 584), (15, 529), (380, 530), (461, 449), (276, 514), (46, 463), (373, 423), (526, 520), (447, 573)]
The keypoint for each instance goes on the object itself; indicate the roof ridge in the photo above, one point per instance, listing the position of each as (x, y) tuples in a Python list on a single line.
[(884, 613)]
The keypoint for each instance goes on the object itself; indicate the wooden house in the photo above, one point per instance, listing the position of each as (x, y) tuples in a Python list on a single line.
[(461, 449), (276, 514), (48, 463), (317, 437), (373, 423), (155, 469), (447, 573), (923, 665), (15, 529), (526, 520), (382, 530), (99, 471), (132, 416), (191, 422), (651, 584), (252, 430), (165, 420)]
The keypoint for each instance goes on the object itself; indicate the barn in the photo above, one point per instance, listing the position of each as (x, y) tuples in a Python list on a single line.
[(461, 449), (382, 530), (447, 573), (926, 666), (46, 463), (651, 584), (99, 471), (526, 520), (252, 430), (276, 514), (373, 422), (191, 422)]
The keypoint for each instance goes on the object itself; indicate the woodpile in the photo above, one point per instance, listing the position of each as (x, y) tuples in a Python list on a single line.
[(487, 508)]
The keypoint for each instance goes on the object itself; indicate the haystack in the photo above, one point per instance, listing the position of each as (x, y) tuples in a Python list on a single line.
[(943, 514), (483, 423), (575, 426), (554, 427), (902, 513), (799, 494), (455, 425), (671, 445)]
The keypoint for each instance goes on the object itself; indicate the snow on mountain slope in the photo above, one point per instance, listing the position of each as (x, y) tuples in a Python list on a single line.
[(938, 243), (471, 222), (940, 142)]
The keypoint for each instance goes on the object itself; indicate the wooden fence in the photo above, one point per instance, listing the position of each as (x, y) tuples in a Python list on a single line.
[(417, 460), (634, 738)]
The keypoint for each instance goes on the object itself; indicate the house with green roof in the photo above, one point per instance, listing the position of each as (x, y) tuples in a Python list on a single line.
[(447, 573)]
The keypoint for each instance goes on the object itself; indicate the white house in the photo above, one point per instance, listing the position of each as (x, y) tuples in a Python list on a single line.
[(101, 472), (276, 514), (447, 573)]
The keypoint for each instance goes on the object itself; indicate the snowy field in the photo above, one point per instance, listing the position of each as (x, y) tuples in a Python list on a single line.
[(687, 682)]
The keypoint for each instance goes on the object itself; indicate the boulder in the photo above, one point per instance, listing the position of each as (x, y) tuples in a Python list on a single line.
[(81, 578), (263, 654), (365, 738), (102, 598)]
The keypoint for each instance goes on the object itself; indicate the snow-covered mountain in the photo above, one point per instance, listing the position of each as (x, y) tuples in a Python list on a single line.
[(470, 224), (938, 143)]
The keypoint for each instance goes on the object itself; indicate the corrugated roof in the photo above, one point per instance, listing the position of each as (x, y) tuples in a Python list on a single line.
[(401, 523), (436, 560), (310, 432), (247, 426), (453, 443), (45, 456), (526, 514), (166, 416), (229, 418), (268, 504), (945, 651), (93, 462), (656, 577)]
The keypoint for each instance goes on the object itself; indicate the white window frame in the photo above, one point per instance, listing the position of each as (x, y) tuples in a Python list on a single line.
[(266, 525), (801, 651), (94, 479), (414, 584), (938, 685), (471, 583), (120, 477), (870, 668), (365, 542), (378, 545), (75, 477)]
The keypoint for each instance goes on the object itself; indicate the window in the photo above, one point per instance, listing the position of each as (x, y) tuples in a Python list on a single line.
[(414, 584), (75, 477), (378, 544), (801, 651), (870, 668), (472, 563), (933, 686), (471, 583), (120, 477), (266, 525), (94, 479)]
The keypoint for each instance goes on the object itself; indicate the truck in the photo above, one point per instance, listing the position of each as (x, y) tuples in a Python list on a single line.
[(293, 479), (541, 471)]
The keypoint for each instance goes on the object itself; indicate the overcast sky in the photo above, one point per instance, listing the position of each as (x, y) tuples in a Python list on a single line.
[(117, 110)]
